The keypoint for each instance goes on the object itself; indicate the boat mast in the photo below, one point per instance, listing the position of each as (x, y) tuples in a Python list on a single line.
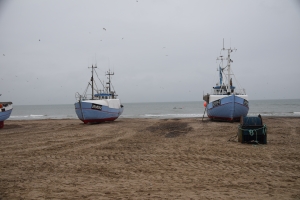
[(228, 65), (109, 74), (92, 80)]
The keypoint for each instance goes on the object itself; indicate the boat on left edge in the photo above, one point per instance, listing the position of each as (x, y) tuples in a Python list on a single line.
[(5, 111), (101, 105)]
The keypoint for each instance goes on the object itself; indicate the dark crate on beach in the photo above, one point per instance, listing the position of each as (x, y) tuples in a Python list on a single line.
[(252, 129)]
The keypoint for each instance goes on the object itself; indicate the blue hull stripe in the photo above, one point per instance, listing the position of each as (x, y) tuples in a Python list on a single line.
[(5, 115), (230, 108), (90, 115)]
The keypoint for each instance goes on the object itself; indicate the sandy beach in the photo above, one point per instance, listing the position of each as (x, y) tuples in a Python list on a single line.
[(147, 159)]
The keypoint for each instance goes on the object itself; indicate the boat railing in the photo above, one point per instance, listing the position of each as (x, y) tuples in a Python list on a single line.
[(78, 97), (89, 97), (225, 91)]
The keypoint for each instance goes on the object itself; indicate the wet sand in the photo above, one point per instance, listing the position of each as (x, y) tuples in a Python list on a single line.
[(147, 159)]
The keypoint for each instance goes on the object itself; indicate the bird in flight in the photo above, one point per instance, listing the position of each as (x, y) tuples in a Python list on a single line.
[(104, 29)]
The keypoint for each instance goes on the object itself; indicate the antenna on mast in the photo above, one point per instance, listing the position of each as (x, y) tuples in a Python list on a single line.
[(223, 44), (96, 59), (92, 80), (109, 74)]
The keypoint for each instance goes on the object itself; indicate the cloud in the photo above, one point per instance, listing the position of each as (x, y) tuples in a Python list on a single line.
[(150, 45)]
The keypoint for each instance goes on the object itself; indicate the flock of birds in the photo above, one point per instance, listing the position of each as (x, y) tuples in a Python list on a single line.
[(90, 32), (123, 38)]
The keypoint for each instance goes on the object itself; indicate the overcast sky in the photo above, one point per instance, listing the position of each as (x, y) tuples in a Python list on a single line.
[(160, 50)]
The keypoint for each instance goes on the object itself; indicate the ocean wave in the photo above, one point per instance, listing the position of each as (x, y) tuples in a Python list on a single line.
[(15, 117), (279, 114), (34, 117), (171, 115), (37, 115)]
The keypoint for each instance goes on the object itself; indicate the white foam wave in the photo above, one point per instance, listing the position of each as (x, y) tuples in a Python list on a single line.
[(171, 115), (27, 117), (19, 116), (37, 115), (279, 114)]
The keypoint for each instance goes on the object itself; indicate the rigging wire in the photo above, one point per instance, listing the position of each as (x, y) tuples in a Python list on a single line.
[(238, 83), (84, 93), (113, 88), (96, 86), (99, 79)]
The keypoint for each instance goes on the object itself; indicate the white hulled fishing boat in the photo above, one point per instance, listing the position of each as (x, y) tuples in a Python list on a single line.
[(100, 105), (226, 102), (5, 111)]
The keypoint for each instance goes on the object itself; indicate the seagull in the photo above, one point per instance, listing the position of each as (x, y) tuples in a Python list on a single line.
[(39, 40), (104, 29), (3, 54)]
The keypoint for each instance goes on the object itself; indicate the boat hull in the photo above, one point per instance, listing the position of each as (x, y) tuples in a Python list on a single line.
[(4, 115), (228, 108), (96, 112)]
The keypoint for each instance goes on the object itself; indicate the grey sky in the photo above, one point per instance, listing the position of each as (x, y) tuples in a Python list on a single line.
[(160, 50)]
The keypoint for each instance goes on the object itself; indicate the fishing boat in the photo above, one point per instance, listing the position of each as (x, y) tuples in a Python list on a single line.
[(226, 102), (101, 105), (5, 111)]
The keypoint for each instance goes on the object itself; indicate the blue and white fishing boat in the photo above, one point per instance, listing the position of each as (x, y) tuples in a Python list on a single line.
[(101, 105), (226, 102), (5, 111)]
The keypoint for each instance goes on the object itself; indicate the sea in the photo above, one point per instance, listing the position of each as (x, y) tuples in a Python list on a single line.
[(159, 110)]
